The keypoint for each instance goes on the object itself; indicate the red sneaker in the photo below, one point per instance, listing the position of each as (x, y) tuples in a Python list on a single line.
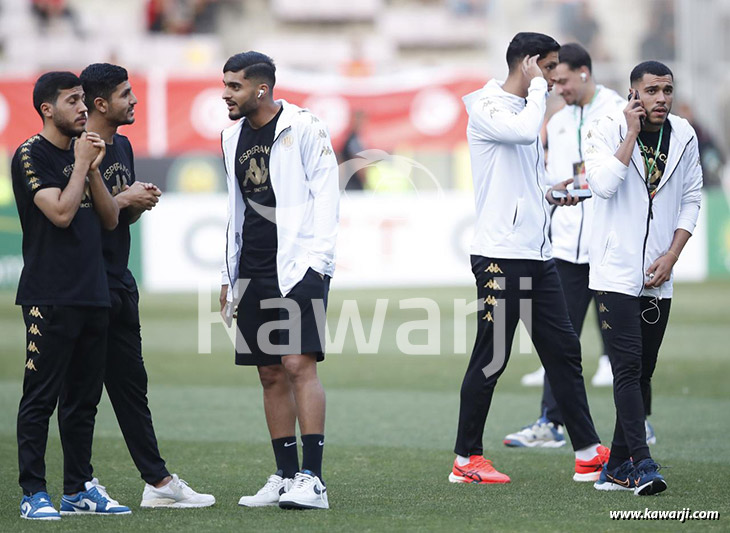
[(477, 470), (591, 470)]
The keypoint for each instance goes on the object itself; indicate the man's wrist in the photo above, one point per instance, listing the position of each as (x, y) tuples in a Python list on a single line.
[(676, 257)]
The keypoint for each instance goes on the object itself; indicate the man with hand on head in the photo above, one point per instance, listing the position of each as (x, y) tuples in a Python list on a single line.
[(512, 260), (643, 167), (63, 207), (569, 228), (111, 104)]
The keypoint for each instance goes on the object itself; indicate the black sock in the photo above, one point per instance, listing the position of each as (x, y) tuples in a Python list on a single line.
[(285, 452), (619, 455), (312, 447)]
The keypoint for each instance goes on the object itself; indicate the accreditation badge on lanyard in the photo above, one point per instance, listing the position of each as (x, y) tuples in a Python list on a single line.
[(579, 175)]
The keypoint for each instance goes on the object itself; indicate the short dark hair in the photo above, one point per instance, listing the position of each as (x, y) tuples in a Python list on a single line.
[(575, 56), (100, 80), (649, 67), (49, 85), (254, 65), (529, 44)]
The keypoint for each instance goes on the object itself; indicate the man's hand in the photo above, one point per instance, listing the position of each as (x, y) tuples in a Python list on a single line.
[(530, 67), (140, 195), (660, 271), (223, 297), (562, 186), (634, 113), (86, 149), (99, 143)]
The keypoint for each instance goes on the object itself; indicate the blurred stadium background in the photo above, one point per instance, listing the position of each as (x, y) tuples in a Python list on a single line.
[(387, 76)]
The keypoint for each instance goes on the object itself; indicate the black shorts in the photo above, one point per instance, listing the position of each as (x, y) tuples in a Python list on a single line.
[(271, 326)]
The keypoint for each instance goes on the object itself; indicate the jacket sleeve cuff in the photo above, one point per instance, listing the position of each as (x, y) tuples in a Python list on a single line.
[(688, 221)]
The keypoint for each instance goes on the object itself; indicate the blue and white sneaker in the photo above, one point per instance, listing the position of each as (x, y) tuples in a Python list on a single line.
[(619, 478), (541, 434), (94, 500), (307, 492), (650, 435), (647, 479), (38, 507)]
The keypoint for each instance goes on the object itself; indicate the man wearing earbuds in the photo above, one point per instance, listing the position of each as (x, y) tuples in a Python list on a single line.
[(283, 204), (512, 260), (644, 169)]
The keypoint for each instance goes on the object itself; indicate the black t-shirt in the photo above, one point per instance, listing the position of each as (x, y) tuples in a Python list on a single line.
[(117, 170), (648, 146), (61, 266), (259, 224)]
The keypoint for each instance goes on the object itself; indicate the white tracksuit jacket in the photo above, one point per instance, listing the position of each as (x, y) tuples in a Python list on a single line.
[(508, 169), (630, 229), (304, 175)]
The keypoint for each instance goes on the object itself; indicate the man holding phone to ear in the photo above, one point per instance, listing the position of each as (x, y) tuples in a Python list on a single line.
[(644, 169)]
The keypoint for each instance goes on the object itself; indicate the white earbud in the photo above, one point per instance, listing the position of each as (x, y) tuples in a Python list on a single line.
[(261, 93), (583, 76)]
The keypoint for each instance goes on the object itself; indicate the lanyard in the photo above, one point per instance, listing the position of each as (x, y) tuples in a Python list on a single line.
[(645, 156), (580, 124)]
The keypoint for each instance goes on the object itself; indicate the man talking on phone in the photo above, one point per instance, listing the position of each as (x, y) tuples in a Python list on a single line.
[(643, 167)]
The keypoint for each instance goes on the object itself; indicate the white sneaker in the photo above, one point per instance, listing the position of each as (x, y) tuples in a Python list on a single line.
[(307, 492), (177, 494), (534, 379), (541, 434), (269, 494), (603, 376)]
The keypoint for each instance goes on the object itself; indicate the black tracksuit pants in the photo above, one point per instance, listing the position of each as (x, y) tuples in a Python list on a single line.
[(126, 385), (574, 279), (633, 329), (65, 356), (508, 288)]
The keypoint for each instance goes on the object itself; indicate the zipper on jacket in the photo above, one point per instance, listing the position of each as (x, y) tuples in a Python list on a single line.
[(537, 179), (649, 216), (580, 232)]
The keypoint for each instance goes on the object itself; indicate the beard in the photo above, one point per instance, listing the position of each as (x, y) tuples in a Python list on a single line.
[(68, 128)]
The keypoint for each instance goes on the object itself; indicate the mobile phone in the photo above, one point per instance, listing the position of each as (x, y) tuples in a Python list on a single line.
[(634, 95), (580, 193)]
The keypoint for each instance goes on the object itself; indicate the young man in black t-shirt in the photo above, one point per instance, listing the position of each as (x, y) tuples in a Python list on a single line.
[(63, 206), (111, 103), (283, 209)]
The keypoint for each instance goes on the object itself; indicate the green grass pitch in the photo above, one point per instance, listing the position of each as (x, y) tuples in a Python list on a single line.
[(391, 422)]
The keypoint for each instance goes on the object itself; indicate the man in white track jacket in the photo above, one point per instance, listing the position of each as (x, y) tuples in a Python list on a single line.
[(569, 228), (512, 261), (283, 199), (644, 169)]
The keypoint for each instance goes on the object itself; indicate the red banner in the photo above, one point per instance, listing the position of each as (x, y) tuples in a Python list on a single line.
[(182, 115)]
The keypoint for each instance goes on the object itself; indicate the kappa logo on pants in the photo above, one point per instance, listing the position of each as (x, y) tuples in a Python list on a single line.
[(493, 268), (605, 326), (35, 312)]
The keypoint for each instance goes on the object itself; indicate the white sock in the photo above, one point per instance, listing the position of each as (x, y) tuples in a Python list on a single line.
[(586, 454), (461, 460)]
